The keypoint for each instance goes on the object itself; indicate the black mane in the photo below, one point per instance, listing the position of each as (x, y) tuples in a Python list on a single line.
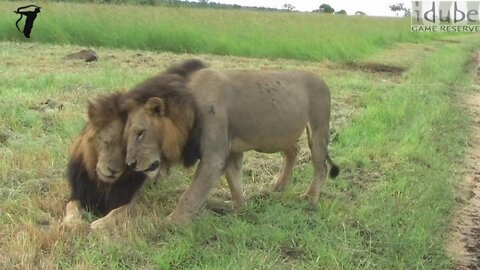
[(98, 197)]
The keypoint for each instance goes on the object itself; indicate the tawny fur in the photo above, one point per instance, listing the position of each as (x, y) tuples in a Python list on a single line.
[(232, 112)]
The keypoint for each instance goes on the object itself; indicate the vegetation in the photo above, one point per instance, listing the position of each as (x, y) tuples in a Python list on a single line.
[(398, 134), (326, 8), (400, 7), (390, 208), (306, 36), (174, 3), (289, 7)]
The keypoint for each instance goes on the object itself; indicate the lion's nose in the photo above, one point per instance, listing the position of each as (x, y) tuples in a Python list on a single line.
[(112, 171), (153, 166)]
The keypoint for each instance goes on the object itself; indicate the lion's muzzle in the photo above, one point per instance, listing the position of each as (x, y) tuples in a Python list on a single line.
[(108, 175), (152, 167)]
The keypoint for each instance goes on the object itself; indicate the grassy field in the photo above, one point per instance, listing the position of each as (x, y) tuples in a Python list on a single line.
[(399, 138), (212, 31)]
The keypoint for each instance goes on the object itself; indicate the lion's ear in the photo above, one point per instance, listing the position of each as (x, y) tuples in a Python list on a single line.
[(155, 106)]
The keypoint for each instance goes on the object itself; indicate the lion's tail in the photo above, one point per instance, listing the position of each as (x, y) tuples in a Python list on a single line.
[(186, 68), (334, 169)]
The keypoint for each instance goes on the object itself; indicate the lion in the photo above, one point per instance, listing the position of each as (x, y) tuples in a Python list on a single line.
[(99, 179), (220, 115)]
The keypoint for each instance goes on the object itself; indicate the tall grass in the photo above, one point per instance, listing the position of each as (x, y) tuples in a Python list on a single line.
[(213, 31)]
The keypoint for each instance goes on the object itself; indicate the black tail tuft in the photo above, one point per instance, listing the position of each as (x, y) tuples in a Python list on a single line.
[(186, 67), (334, 171)]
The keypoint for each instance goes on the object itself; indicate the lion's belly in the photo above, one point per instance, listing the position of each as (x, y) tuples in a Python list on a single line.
[(264, 145), (264, 140)]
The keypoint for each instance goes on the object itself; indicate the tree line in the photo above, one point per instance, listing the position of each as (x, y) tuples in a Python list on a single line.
[(323, 8)]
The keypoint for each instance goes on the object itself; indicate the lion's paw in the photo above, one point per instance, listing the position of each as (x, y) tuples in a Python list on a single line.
[(309, 197), (219, 206), (73, 223), (178, 220), (101, 223), (279, 186), (168, 225)]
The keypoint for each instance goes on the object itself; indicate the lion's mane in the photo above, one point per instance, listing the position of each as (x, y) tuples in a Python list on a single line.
[(182, 127), (85, 186)]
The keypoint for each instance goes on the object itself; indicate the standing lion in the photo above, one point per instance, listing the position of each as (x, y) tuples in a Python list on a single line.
[(226, 114)]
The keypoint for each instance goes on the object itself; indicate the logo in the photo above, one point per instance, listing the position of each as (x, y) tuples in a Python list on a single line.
[(31, 16), (445, 16)]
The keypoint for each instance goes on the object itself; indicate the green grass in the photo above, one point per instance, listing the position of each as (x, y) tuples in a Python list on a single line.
[(414, 138), (399, 139), (212, 31)]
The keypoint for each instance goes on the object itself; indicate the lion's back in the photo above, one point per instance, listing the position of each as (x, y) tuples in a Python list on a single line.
[(264, 109)]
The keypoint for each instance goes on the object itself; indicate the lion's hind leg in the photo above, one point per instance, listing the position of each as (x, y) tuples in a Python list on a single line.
[(318, 143), (290, 157)]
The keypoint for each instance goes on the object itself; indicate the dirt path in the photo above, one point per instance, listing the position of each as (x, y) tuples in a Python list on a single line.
[(466, 236)]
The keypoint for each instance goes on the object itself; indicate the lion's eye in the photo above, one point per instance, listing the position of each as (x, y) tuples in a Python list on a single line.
[(140, 134)]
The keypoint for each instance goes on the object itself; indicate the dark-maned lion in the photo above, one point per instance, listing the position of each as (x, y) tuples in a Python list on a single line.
[(99, 179), (226, 114)]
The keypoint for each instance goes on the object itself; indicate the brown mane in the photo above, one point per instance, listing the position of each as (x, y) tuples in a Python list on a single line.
[(85, 186), (102, 111)]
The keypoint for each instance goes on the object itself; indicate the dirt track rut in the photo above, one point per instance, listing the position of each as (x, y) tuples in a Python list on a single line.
[(466, 235)]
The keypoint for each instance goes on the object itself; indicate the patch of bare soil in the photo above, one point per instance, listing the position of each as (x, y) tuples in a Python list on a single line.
[(450, 41), (376, 68), (465, 244)]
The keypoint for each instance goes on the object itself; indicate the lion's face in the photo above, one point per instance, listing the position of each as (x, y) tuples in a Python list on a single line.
[(111, 151), (105, 138), (156, 132), (143, 137)]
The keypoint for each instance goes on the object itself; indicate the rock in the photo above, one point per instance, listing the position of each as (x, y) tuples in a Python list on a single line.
[(87, 55)]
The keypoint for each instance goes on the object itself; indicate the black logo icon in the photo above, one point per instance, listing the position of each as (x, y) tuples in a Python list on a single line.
[(31, 16)]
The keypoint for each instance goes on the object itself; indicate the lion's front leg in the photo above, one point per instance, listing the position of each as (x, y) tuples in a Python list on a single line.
[(233, 172), (115, 217), (73, 215), (207, 174)]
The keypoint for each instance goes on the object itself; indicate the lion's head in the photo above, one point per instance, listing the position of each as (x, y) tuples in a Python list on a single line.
[(160, 131), (100, 146), (162, 126)]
